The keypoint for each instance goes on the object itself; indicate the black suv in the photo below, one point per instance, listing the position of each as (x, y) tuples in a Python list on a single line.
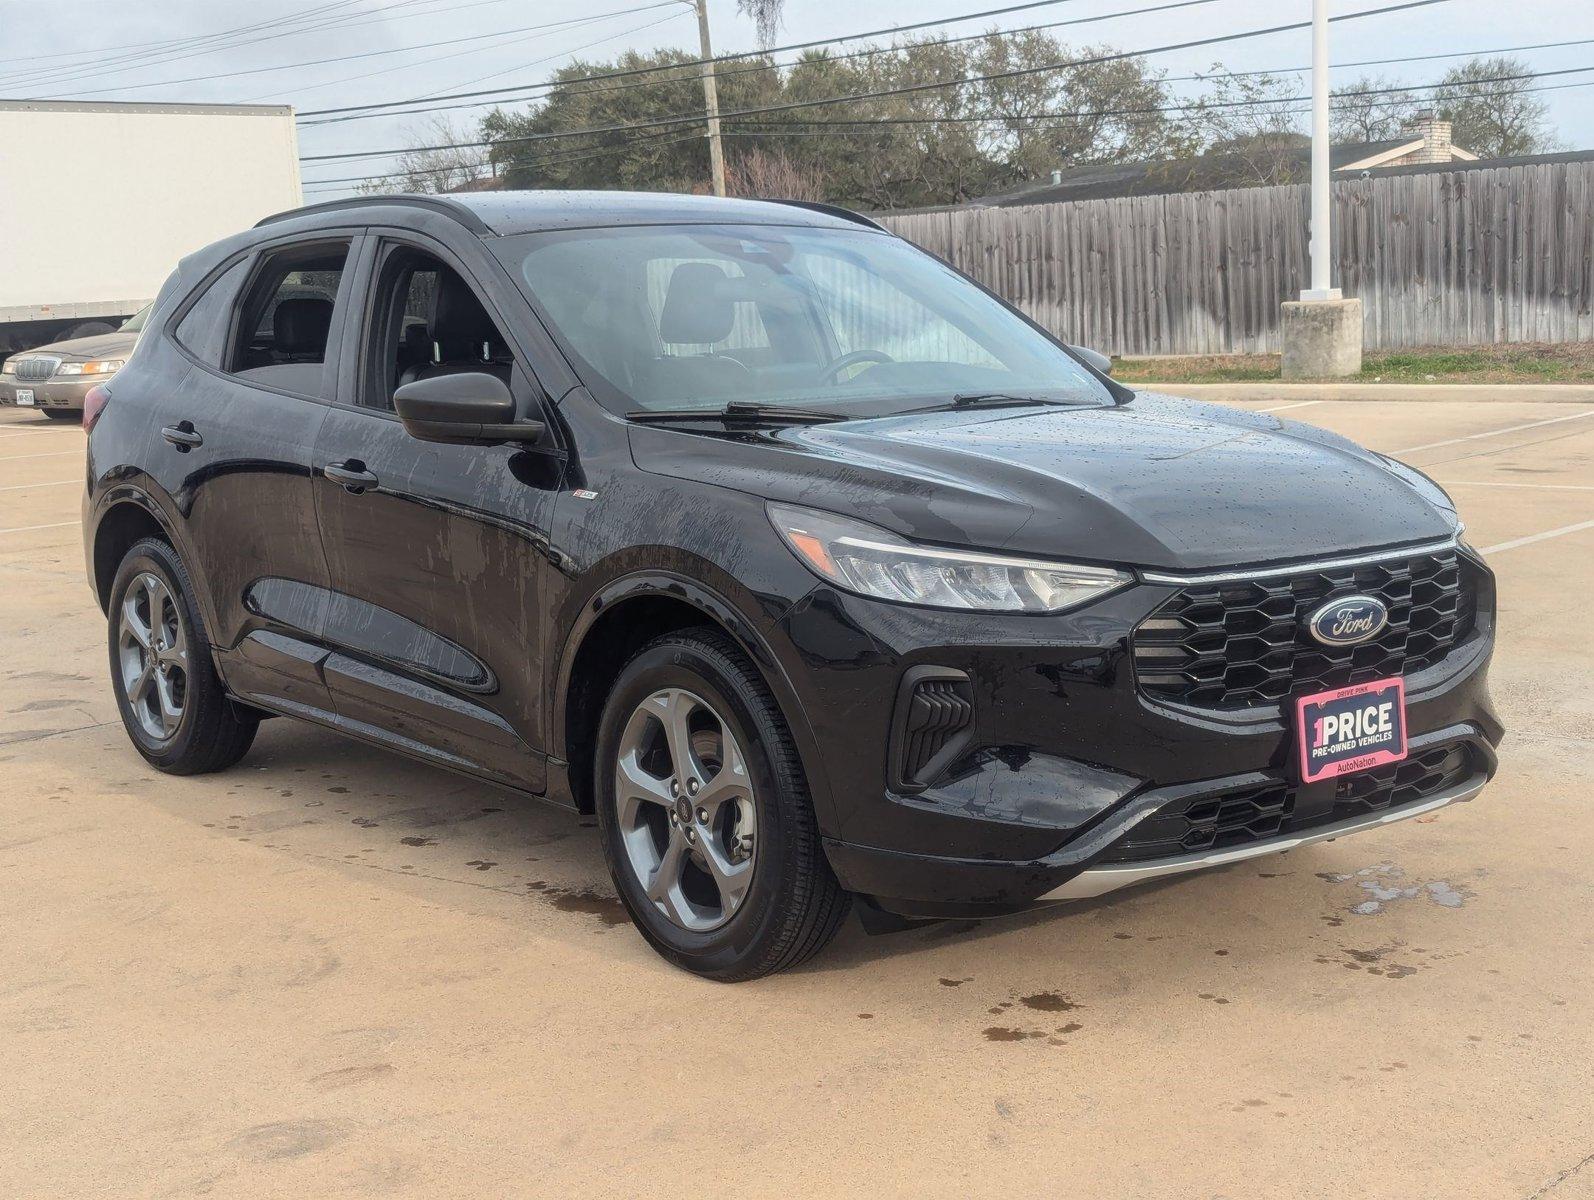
[(811, 567)]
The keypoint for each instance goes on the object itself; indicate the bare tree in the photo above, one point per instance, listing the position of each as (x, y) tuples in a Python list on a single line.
[(1249, 128), (773, 175), (1366, 111), (1494, 117), (435, 170)]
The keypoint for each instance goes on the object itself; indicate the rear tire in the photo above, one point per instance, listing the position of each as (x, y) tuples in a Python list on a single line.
[(706, 821), (172, 702)]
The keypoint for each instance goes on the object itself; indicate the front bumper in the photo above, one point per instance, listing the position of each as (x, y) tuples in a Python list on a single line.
[(936, 886), (50, 393), (1073, 780)]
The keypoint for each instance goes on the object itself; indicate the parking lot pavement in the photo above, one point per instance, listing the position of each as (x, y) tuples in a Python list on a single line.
[(329, 972)]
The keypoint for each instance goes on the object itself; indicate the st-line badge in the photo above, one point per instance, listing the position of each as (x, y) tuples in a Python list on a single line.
[(1351, 728)]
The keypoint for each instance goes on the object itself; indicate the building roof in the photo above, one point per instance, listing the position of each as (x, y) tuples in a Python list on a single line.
[(146, 107)]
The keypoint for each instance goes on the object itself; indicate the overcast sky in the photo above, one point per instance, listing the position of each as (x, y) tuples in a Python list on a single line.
[(416, 27)]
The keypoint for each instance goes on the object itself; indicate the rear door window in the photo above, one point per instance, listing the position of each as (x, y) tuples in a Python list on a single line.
[(287, 317)]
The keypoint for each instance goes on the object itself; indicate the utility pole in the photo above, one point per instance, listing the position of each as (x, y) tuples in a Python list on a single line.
[(1321, 333), (711, 98), (1322, 202)]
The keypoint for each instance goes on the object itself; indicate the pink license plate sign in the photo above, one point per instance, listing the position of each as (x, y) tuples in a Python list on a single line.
[(1351, 728)]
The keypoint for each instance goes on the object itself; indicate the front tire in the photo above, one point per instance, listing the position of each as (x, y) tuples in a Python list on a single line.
[(63, 414), (706, 821), (172, 702)]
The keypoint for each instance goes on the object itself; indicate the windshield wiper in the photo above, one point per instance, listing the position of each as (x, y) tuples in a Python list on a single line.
[(987, 400), (737, 410)]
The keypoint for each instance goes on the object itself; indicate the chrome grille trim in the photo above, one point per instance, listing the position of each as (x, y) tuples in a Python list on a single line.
[(37, 367), (1299, 567)]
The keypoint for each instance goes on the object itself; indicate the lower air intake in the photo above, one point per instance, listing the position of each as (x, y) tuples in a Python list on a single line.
[(934, 722)]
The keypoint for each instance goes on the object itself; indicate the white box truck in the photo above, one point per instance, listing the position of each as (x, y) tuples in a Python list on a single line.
[(98, 201)]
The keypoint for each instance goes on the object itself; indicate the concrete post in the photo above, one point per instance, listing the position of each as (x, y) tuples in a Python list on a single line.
[(1321, 332)]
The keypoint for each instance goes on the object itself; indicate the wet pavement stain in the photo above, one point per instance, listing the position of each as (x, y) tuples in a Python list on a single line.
[(419, 841), (1049, 1002), (1002, 1033), (479, 864), (607, 908), (956, 982)]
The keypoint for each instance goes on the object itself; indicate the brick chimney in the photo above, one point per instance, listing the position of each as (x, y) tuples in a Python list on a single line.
[(1435, 135)]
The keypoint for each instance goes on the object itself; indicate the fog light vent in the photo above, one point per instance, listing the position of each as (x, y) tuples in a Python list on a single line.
[(934, 721)]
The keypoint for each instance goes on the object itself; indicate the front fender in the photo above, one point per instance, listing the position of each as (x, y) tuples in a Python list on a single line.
[(759, 639)]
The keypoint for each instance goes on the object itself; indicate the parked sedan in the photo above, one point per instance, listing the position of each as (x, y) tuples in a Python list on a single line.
[(817, 572), (55, 378)]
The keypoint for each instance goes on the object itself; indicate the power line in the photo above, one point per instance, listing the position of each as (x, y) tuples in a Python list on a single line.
[(342, 58), (851, 37), (317, 185), (677, 11), (99, 68), (849, 128), (764, 67), (1200, 105), (909, 89)]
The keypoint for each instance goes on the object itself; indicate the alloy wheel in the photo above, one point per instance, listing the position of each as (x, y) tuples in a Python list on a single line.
[(685, 809), (152, 652)]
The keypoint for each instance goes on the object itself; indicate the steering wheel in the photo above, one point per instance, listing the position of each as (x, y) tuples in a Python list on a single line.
[(828, 373)]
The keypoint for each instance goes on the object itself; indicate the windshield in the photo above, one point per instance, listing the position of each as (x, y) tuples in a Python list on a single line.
[(135, 323), (666, 318)]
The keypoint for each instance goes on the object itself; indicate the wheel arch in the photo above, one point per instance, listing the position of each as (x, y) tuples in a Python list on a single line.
[(619, 620), (124, 521)]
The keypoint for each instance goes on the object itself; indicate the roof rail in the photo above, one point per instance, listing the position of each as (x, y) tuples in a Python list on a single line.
[(451, 208), (831, 210)]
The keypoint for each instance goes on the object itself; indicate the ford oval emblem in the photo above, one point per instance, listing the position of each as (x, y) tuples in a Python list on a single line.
[(1349, 620)]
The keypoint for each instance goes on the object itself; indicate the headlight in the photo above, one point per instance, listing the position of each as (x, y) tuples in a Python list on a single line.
[(9, 367), (873, 562), (96, 366)]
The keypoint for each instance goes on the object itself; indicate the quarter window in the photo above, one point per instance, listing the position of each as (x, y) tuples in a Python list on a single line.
[(203, 330)]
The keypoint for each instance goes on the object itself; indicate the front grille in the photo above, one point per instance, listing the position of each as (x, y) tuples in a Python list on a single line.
[(35, 369), (1400, 783), (1208, 823), (1274, 809), (1246, 644)]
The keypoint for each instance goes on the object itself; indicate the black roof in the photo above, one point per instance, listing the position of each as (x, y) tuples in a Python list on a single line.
[(502, 213)]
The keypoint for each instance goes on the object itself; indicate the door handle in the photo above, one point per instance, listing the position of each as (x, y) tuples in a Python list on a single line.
[(183, 436), (352, 475)]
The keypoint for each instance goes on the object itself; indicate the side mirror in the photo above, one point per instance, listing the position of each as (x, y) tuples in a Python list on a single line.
[(1095, 358), (471, 406)]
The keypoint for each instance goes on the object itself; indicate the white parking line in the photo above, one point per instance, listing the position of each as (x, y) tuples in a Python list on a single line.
[(1472, 437), (31, 528), (54, 454), (1538, 537), (22, 487), (1538, 487), (16, 433), (1287, 407)]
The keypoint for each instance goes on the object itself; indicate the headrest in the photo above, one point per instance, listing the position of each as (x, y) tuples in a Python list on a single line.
[(698, 309), (460, 325), (300, 324)]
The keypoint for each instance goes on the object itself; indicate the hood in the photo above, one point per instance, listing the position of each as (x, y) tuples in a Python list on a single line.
[(100, 345), (1156, 482)]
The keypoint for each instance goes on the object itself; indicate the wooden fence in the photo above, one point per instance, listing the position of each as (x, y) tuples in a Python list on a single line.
[(1462, 257)]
